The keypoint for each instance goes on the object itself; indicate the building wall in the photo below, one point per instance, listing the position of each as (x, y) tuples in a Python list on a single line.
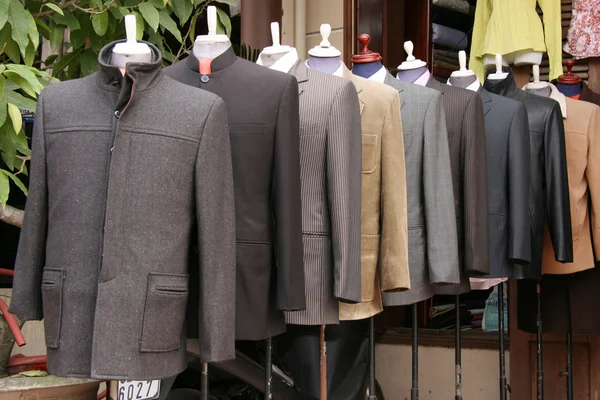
[(436, 372)]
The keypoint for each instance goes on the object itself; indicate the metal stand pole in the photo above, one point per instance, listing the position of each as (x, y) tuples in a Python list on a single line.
[(569, 366), (204, 381), (414, 392), (540, 363), (323, 382), (503, 385), (372, 386), (457, 351), (268, 369)]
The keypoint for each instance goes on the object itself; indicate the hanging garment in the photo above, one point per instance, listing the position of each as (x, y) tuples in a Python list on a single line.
[(463, 110), (549, 184), (507, 26), (330, 159), (432, 241), (384, 229), (568, 299), (508, 180), (262, 106), (583, 39), (122, 172)]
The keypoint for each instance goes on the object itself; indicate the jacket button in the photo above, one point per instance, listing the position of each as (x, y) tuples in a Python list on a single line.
[(118, 114), (204, 78)]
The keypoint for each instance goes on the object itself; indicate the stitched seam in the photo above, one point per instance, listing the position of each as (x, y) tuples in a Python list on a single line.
[(158, 133), (79, 128)]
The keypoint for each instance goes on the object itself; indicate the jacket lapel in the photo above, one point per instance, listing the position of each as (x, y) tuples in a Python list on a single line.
[(300, 71), (389, 80), (487, 100), (351, 77)]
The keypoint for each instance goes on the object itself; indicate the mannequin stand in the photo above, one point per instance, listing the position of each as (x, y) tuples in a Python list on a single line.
[(204, 381), (323, 381), (569, 372), (540, 361), (268, 368), (372, 388), (503, 384), (457, 350), (414, 392)]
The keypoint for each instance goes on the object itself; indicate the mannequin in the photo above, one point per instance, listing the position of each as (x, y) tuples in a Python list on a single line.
[(568, 83), (208, 47), (464, 78), (325, 57), (131, 50), (366, 63), (518, 58), (270, 55), (499, 75), (413, 70)]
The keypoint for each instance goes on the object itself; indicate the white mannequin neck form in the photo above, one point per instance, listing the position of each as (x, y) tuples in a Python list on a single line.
[(517, 58), (538, 87), (412, 69), (464, 78), (499, 75), (212, 45), (131, 50), (271, 54), (325, 57)]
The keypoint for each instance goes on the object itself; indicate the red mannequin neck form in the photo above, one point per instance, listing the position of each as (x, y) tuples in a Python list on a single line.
[(569, 78), (365, 55)]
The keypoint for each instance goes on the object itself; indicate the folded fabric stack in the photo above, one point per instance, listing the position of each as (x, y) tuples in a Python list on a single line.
[(461, 6), (476, 318), (449, 37), (445, 59)]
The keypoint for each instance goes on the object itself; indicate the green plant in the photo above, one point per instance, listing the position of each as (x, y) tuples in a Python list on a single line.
[(75, 30)]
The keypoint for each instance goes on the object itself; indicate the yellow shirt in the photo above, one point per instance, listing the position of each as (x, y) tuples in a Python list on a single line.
[(506, 26)]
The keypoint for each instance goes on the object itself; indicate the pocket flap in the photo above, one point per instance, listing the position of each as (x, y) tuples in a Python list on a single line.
[(169, 283), (52, 276), (369, 153)]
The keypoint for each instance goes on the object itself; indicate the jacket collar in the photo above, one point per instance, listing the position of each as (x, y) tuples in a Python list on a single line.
[(396, 84), (219, 63), (506, 87), (434, 84), (486, 98), (347, 74), (285, 63), (145, 75), (554, 94), (300, 71)]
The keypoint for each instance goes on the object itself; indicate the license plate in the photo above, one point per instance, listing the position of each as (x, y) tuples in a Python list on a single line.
[(138, 390)]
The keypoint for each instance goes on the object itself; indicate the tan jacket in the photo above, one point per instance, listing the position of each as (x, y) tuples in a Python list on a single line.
[(582, 130), (384, 227)]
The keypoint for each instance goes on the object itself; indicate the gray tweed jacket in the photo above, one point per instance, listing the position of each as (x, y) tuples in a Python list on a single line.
[(122, 173)]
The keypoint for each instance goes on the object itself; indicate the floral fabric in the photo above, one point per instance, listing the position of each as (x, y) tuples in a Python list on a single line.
[(583, 40)]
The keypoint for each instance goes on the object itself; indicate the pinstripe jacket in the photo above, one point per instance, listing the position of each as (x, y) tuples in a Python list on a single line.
[(432, 242), (384, 233), (330, 154)]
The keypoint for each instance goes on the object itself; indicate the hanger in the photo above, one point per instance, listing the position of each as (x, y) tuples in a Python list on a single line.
[(411, 62), (276, 48), (212, 37), (325, 49), (569, 78), (498, 75), (365, 55), (462, 62)]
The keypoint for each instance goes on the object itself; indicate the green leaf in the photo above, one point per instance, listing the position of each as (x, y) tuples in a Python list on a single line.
[(100, 23), (21, 82), (30, 55), (3, 12), (17, 17), (78, 38), (10, 47), (124, 11), (116, 13), (3, 110), (183, 10), (2, 83), (26, 73), (234, 3), (158, 3), (9, 147), (89, 62), (15, 116), (19, 100), (4, 188), (57, 34), (54, 7), (16, 181), (65, 61), (68, 20), (167, 22), (139, 26), (43, 29), (32, 31), (223, 19), (150, 14)]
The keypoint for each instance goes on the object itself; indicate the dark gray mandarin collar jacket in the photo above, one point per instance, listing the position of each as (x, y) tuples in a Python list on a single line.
[(263, 111), (549, 184), (122, 173), (432, 240)]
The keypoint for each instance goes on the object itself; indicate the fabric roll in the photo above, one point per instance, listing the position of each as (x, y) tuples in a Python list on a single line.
[(449, 37)]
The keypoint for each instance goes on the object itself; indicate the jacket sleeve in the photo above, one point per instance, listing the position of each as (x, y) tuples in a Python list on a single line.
[(393, 261), (287, 204), (215, 213), (440, 216), (26, 300), (482, 17), (519, 178), (557, 187), (344, 172), (593, 177), (551, 10), (476, 252)]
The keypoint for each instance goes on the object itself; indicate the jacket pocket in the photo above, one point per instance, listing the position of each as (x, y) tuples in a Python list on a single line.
[(164, 313), (52, 293), (369, 153), (369, 257)]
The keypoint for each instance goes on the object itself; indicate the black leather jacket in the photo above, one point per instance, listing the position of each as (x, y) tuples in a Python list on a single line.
[(549, 186)]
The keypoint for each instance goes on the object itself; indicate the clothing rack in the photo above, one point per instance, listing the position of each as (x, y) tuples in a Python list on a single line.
[(457, 351), (503, 384), (372, 379), (414, 392)]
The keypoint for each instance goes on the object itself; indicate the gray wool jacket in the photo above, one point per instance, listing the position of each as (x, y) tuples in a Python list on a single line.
[(123, 175)]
